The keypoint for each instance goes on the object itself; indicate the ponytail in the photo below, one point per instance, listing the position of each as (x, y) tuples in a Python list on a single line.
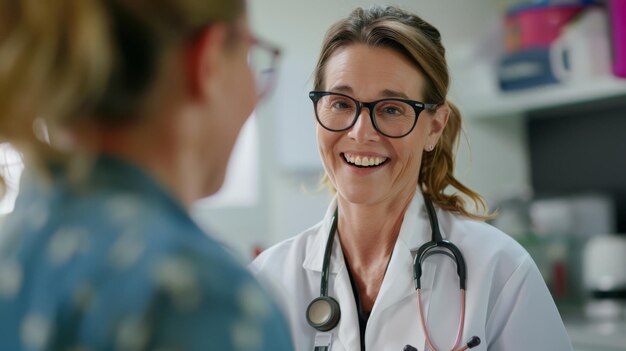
[(437, 172)]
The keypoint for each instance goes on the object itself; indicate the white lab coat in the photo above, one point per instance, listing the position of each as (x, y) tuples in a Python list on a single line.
[(507, 305)]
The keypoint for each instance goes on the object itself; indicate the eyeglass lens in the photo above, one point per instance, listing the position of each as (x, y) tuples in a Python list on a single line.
[(391, 117), (262, 61)]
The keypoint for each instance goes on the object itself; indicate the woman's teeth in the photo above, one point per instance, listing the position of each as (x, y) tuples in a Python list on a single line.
[(364, 161)]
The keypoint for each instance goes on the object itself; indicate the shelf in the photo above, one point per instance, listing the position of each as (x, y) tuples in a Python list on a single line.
[(500, 104)]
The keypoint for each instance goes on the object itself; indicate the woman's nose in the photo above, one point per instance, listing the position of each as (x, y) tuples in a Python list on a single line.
[(363, 129)]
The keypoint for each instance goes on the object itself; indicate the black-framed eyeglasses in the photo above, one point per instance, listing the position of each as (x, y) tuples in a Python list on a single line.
[(391, 117), (263, 59)]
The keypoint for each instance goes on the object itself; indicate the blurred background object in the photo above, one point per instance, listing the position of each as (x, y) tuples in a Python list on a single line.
[(536, 25), (582, 49), (551, 42), (604, 277), (617, 10)]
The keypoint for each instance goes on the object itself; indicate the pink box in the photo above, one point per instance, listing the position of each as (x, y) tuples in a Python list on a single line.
[(537, 26), (617, 11)]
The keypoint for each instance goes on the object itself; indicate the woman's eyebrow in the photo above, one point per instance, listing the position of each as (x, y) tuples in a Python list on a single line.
[(386, 93), (392, 93), (344, 89)]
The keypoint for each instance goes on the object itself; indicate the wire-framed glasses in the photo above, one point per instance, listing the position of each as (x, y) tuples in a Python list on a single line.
[(263, 60), (391, 117)]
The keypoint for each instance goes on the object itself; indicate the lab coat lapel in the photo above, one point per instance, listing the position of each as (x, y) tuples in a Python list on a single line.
[(348, 329), (314, 256), (398, 284), (398, 281)]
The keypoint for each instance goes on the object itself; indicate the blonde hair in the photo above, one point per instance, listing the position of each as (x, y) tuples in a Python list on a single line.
[(66, 60), (417, 40)]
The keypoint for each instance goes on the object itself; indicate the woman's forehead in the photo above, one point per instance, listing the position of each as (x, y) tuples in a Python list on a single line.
[(372, 71)]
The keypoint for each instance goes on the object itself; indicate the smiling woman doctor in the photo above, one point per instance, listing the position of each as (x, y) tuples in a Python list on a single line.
[(397, 263)]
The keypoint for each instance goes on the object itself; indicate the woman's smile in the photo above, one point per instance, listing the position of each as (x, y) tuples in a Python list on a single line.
[(364, 161)]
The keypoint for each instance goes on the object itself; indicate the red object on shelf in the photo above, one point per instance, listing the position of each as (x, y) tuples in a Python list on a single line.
[(256, 251), (559, 280), (537, 27), (617, 11)]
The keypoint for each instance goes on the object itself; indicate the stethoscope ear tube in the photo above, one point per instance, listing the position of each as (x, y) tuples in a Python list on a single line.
[(436, 243), (461, 270), (417, 262), (327, 254)]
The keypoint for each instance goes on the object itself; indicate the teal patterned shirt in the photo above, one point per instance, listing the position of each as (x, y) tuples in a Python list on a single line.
[(115, 263)]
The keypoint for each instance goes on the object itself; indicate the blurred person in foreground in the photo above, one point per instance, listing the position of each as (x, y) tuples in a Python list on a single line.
[(126, 112), (399, 262)]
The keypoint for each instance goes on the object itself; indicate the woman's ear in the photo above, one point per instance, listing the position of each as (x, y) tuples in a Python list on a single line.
[(437, 124), (203, 59)]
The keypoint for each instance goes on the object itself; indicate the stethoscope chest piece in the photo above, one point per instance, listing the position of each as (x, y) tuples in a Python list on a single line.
[(323, 313)]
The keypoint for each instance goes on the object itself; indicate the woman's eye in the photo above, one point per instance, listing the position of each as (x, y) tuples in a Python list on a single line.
[(341, 105), (391, 110)]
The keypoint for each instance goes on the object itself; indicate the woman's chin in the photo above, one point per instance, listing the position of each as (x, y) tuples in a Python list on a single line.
[(361, 195)]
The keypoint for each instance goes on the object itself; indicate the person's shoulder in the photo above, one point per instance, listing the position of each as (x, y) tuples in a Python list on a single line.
[(164, 226), (493, 243), (486, 249), (163, 239), (192, 272), (202, 295)]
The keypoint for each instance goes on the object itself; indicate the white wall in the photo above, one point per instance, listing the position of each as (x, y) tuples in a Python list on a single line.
[(290, 167)]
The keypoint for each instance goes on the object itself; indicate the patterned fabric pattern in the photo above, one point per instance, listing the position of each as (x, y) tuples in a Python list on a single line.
[(115, 263)]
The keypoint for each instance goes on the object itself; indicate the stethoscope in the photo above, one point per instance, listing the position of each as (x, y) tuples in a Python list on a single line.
[(324, 313)]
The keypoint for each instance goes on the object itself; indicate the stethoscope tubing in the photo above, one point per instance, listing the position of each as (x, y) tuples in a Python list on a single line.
[(327, 253), (459, 333)]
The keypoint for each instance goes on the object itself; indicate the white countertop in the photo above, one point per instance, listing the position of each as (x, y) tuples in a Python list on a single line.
[(596, 336)]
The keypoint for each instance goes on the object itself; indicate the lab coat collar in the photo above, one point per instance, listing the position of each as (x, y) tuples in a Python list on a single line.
[(314, 256), (415, 231)]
